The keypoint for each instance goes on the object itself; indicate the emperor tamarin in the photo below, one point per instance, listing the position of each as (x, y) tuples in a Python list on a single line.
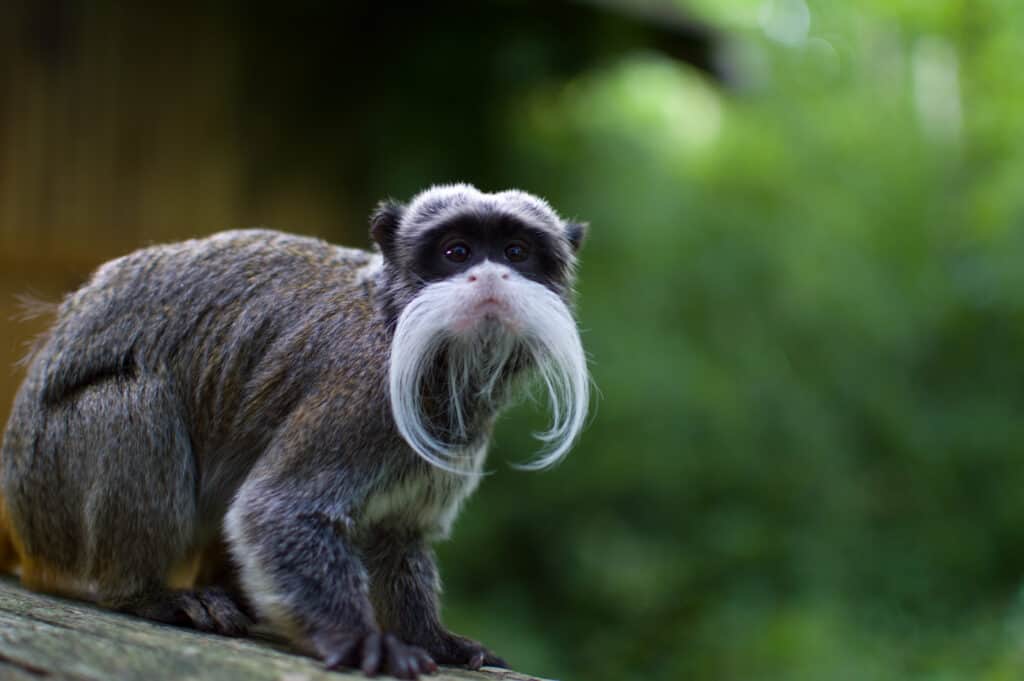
[(264, 424)]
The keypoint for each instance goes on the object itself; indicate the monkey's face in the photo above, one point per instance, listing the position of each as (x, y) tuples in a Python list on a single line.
[(483, 283), (489, 262)]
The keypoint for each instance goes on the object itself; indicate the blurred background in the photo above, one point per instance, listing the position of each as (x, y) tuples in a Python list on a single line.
[(803, 291)]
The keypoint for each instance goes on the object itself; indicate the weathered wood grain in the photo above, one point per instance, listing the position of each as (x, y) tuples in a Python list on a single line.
[(43, 637)]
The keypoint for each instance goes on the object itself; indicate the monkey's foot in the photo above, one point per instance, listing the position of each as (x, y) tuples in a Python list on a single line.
[(374, 653), (465, 652), (206, 609)]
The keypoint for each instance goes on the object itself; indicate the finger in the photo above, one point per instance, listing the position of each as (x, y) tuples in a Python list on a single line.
[(340, 656), (413, 662), (227, 617), (371, 655), (397, 658), (427, 664), (197, 612), (492, 660)]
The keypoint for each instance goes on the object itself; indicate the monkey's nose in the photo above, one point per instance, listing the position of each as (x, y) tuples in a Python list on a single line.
[(487, 273)]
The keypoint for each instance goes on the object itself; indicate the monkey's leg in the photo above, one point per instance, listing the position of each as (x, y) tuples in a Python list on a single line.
[(302, 573), (117, 452), (404, 588)]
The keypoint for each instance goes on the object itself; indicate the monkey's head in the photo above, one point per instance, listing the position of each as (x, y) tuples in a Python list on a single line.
[(479, 287)]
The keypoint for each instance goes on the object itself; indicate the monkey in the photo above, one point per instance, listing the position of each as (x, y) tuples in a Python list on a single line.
[(259, 425)]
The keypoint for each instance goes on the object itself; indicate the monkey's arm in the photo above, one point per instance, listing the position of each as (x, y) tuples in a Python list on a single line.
[(404, 589), (289, 531)]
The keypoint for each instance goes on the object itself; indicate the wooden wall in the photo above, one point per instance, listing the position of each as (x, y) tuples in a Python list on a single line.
[(117, 129)]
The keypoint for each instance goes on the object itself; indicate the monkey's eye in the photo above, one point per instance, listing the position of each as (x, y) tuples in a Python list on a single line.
[(517, 251), (457, 252)]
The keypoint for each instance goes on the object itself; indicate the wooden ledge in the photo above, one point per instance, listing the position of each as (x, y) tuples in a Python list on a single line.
[(43, 637)]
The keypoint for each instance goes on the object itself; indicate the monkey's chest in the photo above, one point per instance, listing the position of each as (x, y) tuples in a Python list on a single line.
[(426, 502)]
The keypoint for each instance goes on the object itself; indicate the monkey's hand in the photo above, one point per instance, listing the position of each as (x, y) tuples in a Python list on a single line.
[(406, 586), (453, 649), (374, 653)]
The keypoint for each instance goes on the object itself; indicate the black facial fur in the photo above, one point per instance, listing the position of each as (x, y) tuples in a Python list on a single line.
[(489, 238), (411, 235)]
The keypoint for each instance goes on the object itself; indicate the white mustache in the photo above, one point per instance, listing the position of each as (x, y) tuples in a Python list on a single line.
[(537, 323)]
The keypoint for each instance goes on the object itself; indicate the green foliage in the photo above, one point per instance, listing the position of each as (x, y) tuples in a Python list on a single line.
[(804, 300)]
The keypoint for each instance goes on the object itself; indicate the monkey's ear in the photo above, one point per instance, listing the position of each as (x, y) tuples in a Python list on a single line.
[(384, 224), (576, 232)]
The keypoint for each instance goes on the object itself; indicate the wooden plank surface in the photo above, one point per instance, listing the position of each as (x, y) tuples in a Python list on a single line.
[(53, 638)]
